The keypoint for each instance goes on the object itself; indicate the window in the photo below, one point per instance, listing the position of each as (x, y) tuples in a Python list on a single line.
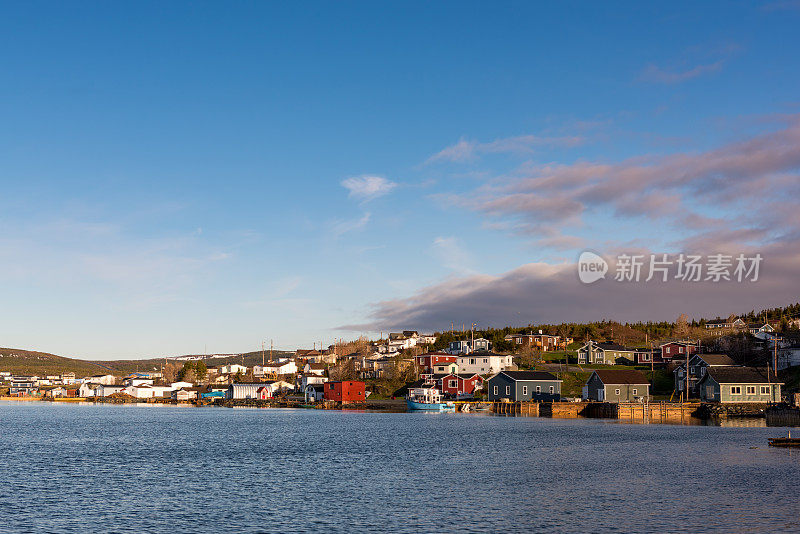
[(552, 389), (616, 391), (453, 383), (538, 389), (765, 390), (519, 341), (750, 390), (635, 391), (524, 390), (485, 360), (736, 390), (508, 390), (680, 350), (495, 390), (472, 361)]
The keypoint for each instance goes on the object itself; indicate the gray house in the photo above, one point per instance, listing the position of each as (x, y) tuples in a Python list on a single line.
[(605, 385), (523, 386), (698, 366), (739, 384)]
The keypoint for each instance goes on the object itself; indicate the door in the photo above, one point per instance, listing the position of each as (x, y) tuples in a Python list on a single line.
[(601, 394)]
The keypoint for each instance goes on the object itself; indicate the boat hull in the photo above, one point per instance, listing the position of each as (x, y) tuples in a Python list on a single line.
[(430, 406)]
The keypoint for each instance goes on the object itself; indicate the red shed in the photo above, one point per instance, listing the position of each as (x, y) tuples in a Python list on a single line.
[(345, 391), (263, 393)]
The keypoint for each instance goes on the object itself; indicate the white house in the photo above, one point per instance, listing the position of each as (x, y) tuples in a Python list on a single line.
[(314, 369), (232, 369), (308, 380), (146, 391), (180, 385), (107, 391), (426, 339), (314, 392), (87, 390), (184, 394), (135, 381), (108, 380), (286, 367), (484, 363)]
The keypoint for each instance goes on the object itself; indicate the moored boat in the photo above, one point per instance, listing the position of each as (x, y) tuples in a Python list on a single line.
[(788, 441), (428, 399)]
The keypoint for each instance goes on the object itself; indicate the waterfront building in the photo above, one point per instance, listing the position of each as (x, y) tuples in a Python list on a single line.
[(523, 386), (616, 385), (739, 385)]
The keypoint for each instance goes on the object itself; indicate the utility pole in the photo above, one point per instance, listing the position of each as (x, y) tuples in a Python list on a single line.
[(262, 354)]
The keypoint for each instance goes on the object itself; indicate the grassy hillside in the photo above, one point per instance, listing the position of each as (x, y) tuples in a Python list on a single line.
[(28, 362)]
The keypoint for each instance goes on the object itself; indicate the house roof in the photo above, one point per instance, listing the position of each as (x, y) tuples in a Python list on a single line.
[(614, 346), (741, 375), (529, 375), (717, 359), (621, 376)]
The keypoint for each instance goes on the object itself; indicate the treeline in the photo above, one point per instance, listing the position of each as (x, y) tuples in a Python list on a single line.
[(637, 334)]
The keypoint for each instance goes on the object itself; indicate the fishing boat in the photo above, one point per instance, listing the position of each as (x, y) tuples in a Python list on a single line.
[(785, 442), (428, 399)]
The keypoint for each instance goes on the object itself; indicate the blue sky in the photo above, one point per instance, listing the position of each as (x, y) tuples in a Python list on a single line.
[(173, 174)]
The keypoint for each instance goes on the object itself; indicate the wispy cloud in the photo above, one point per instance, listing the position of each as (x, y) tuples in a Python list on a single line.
[(467, 150), (452, 254), (697, 61), (654, 74), (341, 227), (368, 187)]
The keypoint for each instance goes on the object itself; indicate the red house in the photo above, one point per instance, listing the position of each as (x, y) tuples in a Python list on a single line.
[(263, 393), (425, 362), (677, 350), (461, 383), (345, 392)]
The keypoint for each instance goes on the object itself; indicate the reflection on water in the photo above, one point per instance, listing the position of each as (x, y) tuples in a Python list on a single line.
[(126, 468)]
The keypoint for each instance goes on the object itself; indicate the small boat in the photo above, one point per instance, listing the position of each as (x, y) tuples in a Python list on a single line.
[(428, 399), (784, 442)]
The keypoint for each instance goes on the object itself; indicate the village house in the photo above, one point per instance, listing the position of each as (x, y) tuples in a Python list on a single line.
[(677, 350), (456, 385), (719, 326), (543, 342), (698, 366), (232, 369), (107, 380), (184, 395), (275, 369), (759, 328), (616, 385), (23, 386), (485, 363), (594, 352), (87, 389), (68, 379), (445, 368), (147, 391), (135, 380), (345, 392), (739, 385), (788, 356), (523, 386), (402, 340), (106, 391), (305, 380), (426, 339), (314, 369), (426, 362), (459, 347), (314, 392)]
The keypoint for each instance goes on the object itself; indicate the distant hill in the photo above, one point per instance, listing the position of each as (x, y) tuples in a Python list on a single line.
[(29, 362)]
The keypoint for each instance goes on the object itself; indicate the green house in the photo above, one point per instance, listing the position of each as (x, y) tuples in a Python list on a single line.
[(739, 384)]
